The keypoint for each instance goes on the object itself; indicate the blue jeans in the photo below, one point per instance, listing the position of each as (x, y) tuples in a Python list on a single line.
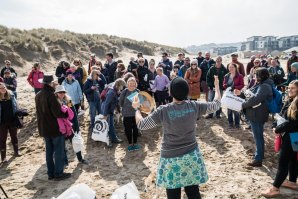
[(211, 95), (236, 118), (94, 110), (55, 155), (112, 133), (258, 131)]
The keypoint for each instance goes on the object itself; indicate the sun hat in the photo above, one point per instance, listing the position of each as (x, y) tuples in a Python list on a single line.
[(60, 89)]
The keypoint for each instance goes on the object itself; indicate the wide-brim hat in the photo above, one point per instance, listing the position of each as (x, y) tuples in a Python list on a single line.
[(147, 103), (47, 79), (60, 89)]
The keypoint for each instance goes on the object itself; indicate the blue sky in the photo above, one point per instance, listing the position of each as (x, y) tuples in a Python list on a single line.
[(173, 22)]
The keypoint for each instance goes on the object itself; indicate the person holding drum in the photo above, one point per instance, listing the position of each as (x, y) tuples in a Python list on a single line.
[(181, 163)]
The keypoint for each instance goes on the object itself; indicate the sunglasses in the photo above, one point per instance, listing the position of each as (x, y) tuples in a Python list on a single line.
[(7, 64), (193, 64), (257, 62), (141, 62), (61, 92)]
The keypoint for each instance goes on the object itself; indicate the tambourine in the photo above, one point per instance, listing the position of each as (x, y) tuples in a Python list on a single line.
[(147, 103)]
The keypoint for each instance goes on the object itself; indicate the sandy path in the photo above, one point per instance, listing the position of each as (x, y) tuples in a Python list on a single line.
[(226, 154)]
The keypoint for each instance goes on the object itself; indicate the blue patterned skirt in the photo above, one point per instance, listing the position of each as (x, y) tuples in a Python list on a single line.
[(182, 171)]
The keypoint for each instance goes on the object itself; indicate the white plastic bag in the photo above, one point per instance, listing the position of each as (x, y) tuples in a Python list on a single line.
[(79, 191), (77, 142), (128, 191), (231, 101), (100, 130)]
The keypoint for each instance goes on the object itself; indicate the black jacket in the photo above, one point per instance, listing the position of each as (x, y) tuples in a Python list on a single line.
[(291, 125), (48, 109), (111, 69), (263, 92), (143, 84), (205, 66)]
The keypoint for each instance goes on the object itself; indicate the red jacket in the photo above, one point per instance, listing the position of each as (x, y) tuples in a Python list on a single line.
[(33, 78), (238, 81)]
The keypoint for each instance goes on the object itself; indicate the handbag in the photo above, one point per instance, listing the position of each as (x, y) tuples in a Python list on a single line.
[(19, 116), (294, 141), (277, 142)]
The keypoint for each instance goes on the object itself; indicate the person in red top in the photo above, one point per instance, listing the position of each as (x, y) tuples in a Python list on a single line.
[(34, 76), (240, 66), (236, 81)]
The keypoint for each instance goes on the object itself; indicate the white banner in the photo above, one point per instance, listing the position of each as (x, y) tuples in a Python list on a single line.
[(231, 101)]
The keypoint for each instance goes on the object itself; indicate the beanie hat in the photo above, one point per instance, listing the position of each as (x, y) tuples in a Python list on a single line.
[(295, 65), (179, 89), (69, 72)]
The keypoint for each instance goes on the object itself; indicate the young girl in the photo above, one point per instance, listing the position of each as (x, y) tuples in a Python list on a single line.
[(8, 108), (129, 121), (287, 157), (64, 99), (161, 84), (181, 163)]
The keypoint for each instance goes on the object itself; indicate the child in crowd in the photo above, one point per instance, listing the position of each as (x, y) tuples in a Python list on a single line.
[(161, 84)]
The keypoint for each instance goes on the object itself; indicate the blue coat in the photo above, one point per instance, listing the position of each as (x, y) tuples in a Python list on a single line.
[(74, 90), (108, 106), (90, 94)]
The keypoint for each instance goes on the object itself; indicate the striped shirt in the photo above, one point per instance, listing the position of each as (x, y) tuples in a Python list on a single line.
[(178, 122)]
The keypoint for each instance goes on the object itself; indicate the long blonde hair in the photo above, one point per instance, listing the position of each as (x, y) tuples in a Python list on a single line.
[(7, 95), (292, 110)]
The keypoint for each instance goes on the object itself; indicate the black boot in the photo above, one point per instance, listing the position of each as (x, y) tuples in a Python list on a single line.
[(16, 150)]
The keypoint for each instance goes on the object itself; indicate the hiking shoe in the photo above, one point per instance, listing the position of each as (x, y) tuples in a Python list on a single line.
[(117, 141), (51, 177), (271, 193), (248, 127), (218, 116), (209, 117), (84, 162), (136, 147), (230, 127), (17, 154), (130, 148), (255, 163), (63, 176)]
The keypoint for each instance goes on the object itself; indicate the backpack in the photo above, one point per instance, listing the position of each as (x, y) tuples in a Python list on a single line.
[(275, 104), (103, 94)]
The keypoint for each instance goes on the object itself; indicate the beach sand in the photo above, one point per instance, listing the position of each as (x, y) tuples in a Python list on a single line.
[(226, 153)]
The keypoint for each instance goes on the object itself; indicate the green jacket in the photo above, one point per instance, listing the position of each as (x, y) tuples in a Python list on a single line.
[(221, 72)]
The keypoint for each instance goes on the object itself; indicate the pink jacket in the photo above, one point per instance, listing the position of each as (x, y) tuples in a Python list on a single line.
[(65, 126), (33, 78)]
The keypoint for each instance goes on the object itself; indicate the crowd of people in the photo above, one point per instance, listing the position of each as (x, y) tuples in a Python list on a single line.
[(177, 90)]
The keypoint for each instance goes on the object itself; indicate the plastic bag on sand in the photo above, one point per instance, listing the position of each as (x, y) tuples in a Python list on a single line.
[(79, 191), (77, 142), (128, 191)]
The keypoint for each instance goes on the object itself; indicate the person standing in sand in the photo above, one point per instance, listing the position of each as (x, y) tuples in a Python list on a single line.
[(288, 163), (48, 110), (181, 163), (8, 107)]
